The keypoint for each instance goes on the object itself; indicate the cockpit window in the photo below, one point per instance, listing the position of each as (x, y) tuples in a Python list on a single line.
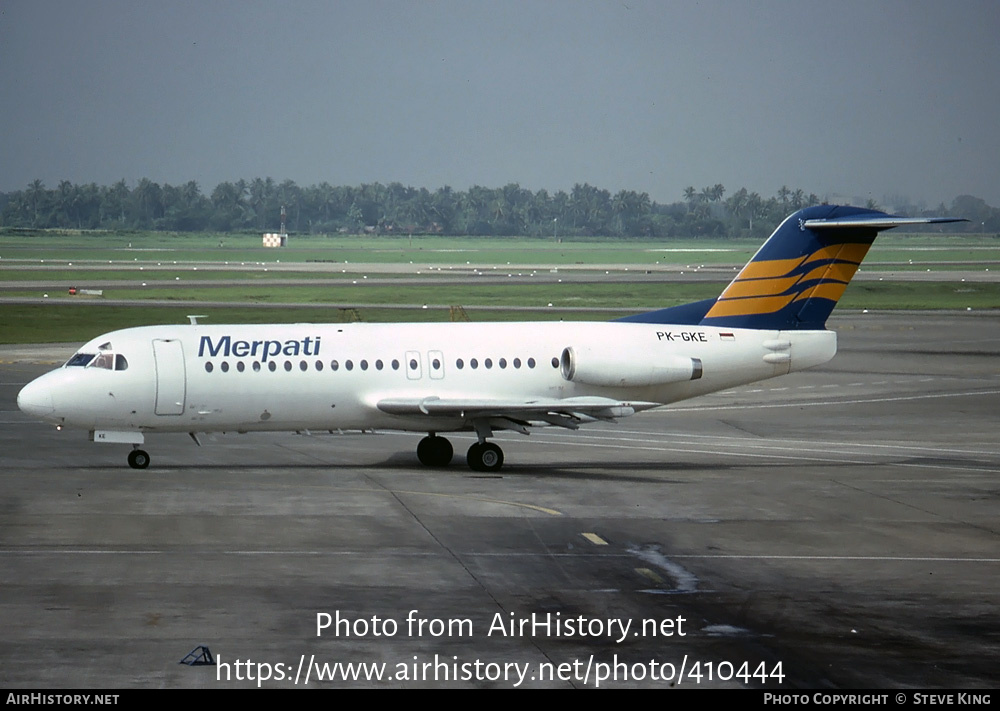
[(105, 361), (80, 359)]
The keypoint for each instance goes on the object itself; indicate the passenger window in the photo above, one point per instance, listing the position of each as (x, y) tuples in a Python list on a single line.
[(395, 364), (334, 365), (256, 366), (272, 366), (517, 362), (503, 363), (459, 364), (240, 366), (224, 367)]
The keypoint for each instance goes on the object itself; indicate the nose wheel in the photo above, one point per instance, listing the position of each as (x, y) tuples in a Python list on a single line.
[(485, 457), (138, 459)]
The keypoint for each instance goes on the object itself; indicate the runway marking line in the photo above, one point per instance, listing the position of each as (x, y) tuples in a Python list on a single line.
[(595, 539), (770, 441), (668, 447), (824, 403)]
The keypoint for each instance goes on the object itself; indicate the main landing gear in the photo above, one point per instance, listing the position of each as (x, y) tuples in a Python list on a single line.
[(434, 451), (485, 457), (138, 459)]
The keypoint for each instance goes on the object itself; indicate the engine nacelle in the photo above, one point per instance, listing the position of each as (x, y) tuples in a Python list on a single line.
[(612, 368)]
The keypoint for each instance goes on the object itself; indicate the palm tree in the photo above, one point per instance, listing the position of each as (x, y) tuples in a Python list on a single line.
[(115, 200), (738, 203), (444, 205), (148, 198), (36, 197), (756, 208), (290, 195), (261, 194), (783, 194)]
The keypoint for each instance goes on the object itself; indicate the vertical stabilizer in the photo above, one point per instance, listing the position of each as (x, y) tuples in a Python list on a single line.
[(798, 275)]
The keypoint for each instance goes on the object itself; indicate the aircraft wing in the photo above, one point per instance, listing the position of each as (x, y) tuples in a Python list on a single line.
[(564, 412)]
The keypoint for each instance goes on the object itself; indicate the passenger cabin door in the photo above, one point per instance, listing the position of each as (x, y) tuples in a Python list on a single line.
[(171, 378)]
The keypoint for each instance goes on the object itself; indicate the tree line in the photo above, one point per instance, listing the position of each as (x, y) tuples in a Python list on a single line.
[(585, 211)]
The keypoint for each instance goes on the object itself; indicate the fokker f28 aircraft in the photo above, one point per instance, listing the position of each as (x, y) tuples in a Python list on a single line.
[(479, 377)]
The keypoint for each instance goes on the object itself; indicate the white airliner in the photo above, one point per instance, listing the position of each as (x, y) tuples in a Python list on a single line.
[(479, 377)]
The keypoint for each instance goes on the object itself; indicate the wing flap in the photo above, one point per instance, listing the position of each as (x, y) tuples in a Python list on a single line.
[(543, 409)]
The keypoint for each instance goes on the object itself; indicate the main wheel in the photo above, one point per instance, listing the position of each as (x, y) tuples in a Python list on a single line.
[(485, 457), (434, 451), (138, 459)]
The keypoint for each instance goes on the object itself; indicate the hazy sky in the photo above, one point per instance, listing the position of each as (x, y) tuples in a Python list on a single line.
[(858, 98)]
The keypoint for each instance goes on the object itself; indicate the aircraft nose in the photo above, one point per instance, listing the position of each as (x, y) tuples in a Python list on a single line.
[(35, 399)]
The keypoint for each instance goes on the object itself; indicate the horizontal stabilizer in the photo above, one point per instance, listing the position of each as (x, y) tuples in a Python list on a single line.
[(878, 223)]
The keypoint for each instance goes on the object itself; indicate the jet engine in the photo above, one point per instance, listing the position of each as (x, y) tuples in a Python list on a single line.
[(611, 367)]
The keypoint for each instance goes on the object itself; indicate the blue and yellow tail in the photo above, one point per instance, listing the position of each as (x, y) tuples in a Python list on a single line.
[(797, 276)]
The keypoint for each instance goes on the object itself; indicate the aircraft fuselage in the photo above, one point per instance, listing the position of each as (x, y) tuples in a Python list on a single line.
[(210, 378)]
